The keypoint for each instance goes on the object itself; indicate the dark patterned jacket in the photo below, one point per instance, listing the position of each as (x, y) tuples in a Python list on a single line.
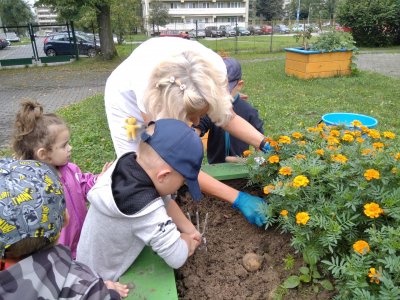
[(52, 274)]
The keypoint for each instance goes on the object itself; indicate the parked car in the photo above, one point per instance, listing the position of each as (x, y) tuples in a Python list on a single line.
[(227, 30), (343, 28), (297, 27), (62, 44), (12, 37), (241, 31), (200, 33), (266, 29), (213, 31), (175, 33), (281, 28), (254, 30), (3, 43), (314, 27)]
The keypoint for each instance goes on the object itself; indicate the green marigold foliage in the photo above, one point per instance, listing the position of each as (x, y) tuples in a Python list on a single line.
[(334, 40), (337, 191)]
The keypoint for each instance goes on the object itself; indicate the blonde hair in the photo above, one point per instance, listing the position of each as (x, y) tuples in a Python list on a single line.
[(188, 84), (33, 130)]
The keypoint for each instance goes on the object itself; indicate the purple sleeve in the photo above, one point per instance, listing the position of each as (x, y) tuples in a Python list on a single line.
[(86, 180)]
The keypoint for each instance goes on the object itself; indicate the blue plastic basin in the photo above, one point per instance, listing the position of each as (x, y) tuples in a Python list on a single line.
[(342, 118)]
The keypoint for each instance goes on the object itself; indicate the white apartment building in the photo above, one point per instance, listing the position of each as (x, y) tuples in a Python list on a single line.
[(46, 16), (184, 14)]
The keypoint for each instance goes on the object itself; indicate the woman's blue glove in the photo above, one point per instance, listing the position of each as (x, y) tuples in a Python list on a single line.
[(265, 146), (252, 207)]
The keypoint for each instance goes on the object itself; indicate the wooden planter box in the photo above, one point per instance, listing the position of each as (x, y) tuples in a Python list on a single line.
[(306, 64)]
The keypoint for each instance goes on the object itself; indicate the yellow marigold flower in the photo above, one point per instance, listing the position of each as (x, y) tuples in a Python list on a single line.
[(360, 140), (371, 174), (394, 170), (356, 123), (375, 276), (268, 188), (361, 247), (364, 129), (301, 143), (320, 152), (246, 153), (300, 181), (302, 218), (284, 139), (348, 138), (377, 145), (312, 129), (357, 133), (273, 159), (373, 210), (374, 134), (332, 148), (339, 158), (389, 135), (366, 151), (284, 213), (300, 156), (285, 171), (332, 140), (334, 132), (297, 135), (397, 156)]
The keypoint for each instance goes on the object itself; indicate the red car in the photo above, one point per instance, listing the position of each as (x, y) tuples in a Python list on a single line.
[(343, 28), (266, 29), (175, 33)]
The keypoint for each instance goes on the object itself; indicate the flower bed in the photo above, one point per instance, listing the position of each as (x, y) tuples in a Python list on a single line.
[(337, 191)]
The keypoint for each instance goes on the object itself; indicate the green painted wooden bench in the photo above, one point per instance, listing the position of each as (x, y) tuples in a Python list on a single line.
[(149, 276)]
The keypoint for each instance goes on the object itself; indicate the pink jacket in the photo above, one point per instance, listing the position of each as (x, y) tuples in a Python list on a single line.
[(76, 186)]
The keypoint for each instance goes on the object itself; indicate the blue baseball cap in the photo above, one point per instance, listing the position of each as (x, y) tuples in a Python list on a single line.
[(234, 71), (32, 202), (180, 147)]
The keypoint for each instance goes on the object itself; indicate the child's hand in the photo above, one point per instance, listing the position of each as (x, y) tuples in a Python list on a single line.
[(122, 289), (105, 167), (192, 241)]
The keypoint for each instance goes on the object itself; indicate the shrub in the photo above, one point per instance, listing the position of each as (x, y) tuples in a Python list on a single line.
[(337, 191), (334, 40), (374, 23)]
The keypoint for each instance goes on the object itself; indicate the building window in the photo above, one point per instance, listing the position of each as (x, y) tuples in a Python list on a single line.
[(220, 4)]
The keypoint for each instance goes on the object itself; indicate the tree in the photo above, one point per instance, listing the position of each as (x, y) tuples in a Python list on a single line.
[(373, 22), (158, 15), (269, 9), (125, 17), (15, 12), (72, 10)]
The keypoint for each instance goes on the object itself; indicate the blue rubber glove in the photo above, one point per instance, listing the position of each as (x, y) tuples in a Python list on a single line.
[(265, 146), (252, 207)]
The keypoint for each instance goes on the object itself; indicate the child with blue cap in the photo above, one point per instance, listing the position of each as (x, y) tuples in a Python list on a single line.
[(131, 206), (220, 144), (32, 214)]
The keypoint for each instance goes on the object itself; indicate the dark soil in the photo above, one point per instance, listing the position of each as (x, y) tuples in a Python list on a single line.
[(217, 272)]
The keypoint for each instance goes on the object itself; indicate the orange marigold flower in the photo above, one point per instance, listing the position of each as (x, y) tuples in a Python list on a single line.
[(300, 156), (332, 148), (357, 133), (285, 171), (320, 152), (297, 135), (273, 144), (364, 129), (356, 123), (375, 276), (366, 151), (374, 134), (339, 158), (302, 218), (312, 129), (373, 210), (273, 159), (371, 174), (360, 140), (361, 247), (389, 135), (332, 140), (284, 139), (300, 181), (284, 213), (268, 188), (334, 132), (348, 138), (377, 145), (247, 153), (397, 156)]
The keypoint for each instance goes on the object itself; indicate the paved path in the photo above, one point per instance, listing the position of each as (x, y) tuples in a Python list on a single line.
[(55, 89)]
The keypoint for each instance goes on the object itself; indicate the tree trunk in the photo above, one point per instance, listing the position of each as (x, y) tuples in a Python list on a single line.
[(106, 39)]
